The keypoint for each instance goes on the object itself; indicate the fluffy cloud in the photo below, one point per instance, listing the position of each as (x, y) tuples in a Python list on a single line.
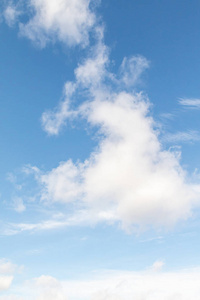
[(51, 288), (63, 20), (129, 177), (6, 267), (129, 174), (93, 78), (5, 282), (6, 271), (92, 71), (62, 183)]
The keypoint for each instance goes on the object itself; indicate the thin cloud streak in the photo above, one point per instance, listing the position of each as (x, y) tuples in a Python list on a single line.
[(185, 137), (192, 103), (79, 218)]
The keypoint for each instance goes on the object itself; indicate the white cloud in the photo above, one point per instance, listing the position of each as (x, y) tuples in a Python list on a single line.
[(128, 176), (122, 285), (52, 122), (89, 74), (82, 217), (6, 267), (11, 15), (63, 20), (132, 68), (6, 271), (5, 282), (93, 71), (51, 288), (62, 183), (129, 170), (190, 103), (19, 205), (157, 265), (90, 78)]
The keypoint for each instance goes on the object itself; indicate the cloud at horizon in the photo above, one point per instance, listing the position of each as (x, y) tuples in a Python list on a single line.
[(115, 285)]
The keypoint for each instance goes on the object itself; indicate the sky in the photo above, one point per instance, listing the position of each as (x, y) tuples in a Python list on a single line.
[(99, 122)]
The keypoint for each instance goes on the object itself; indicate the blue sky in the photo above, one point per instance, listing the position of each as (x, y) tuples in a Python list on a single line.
[(100, 181)]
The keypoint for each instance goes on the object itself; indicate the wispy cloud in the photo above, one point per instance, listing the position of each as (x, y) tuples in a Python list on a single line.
[(191, 103), (79, 218), (132, 69), (167, 116), (18, 205), (181, 136), (11, 14)]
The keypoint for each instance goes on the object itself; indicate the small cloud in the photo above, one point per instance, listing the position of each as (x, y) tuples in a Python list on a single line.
[(193, 103), (157, 238), (157, 266), (167, 116), (30, 170), (18, 205), (84, 238), (132, 68), (6, 267), (34, 252), (5, 282), (11, 15), (13, 179), (66, 21)]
